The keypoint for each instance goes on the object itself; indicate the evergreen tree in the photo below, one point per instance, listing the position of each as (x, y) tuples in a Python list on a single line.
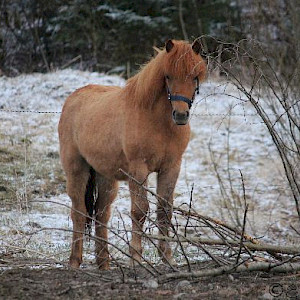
[(37, 35)]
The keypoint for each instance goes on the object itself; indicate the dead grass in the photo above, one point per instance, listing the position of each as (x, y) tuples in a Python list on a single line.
[(25, 175)]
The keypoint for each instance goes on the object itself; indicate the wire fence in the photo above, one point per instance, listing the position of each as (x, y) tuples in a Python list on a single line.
[(237, 187), (193, 114), (29, 111)]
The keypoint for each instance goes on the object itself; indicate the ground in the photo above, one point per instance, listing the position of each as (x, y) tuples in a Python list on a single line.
[(51, 282)]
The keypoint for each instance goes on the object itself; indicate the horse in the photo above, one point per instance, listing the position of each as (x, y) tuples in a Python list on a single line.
[(106, 132)]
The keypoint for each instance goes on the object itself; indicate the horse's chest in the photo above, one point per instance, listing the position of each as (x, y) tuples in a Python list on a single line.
[(156, 151)]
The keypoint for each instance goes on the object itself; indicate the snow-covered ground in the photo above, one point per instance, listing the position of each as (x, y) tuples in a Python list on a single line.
[(225, 131)]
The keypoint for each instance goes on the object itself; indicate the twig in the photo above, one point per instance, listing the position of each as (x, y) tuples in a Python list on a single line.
[(217, 222), (242, 235), (71, 61), (190, 206)]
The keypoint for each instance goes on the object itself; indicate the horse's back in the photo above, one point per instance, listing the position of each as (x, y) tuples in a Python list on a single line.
[(94, 89), (86, 94), (83, 99)]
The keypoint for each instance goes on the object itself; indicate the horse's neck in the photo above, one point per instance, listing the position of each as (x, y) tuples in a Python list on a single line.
[(147, 86)]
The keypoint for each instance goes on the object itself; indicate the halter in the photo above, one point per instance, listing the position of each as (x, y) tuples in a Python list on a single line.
[(182, 98)]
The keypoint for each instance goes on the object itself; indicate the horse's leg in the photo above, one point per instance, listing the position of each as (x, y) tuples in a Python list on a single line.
[(77, 177), (107, 191), (166, 182), (139, 207)]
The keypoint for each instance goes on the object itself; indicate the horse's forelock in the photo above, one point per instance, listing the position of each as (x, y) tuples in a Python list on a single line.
[(183, 62)]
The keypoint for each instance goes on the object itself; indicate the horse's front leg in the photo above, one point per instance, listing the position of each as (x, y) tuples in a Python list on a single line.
[(166, 182), (139, 207)]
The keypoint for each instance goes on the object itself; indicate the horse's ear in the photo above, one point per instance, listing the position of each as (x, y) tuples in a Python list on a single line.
[(169, 45), (196, 46)]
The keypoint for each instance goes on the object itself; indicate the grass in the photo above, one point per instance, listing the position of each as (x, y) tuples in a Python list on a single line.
[(27, 174)]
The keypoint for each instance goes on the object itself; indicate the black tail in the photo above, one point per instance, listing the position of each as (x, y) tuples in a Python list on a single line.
[(90, 200)]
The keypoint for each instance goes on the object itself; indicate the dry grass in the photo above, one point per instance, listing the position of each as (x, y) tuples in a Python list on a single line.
[(26, 173)]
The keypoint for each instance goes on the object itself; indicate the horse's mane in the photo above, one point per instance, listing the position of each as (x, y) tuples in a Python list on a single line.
[(181, 62)]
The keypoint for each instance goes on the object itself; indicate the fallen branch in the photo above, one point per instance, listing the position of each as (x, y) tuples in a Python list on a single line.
[(247, 267), (217, 222), (206, 219), (289, 250)]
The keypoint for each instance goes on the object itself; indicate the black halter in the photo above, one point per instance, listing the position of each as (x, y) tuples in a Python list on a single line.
[(182, 98)]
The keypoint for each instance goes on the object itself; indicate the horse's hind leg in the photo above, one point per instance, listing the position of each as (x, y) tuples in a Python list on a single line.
[(107, 192), (77, 177)]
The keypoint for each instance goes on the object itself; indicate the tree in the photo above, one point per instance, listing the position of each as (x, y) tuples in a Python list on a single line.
[(41, 35)]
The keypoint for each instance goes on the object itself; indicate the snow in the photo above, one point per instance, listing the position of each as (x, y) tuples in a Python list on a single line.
[(222, 121)]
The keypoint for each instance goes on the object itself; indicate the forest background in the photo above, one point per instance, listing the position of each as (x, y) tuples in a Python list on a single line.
[(116, 36)]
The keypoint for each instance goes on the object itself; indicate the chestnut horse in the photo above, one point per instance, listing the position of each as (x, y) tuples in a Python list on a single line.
[(141, 128)]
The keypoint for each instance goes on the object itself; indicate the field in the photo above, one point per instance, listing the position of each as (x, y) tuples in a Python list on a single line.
[(230, 152)]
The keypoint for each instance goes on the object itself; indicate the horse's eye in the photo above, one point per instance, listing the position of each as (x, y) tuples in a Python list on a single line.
[(167, 77)]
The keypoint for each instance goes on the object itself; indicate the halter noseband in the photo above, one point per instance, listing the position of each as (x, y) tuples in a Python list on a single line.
[(182, 98)]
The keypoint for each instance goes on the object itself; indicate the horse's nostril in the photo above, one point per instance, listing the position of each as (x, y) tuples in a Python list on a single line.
[(180, 118), (182, 115)]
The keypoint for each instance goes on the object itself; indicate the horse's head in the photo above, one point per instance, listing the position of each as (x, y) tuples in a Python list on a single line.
[(183, 69)]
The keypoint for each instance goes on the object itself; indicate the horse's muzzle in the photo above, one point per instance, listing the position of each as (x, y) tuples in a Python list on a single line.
[(181, 118)]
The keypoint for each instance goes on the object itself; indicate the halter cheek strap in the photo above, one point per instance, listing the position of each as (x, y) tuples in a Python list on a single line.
[(182, 98)]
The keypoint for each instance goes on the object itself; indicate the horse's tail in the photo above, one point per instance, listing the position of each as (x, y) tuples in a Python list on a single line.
[(90, 200)]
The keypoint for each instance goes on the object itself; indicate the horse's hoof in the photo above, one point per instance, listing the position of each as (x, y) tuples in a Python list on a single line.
[(136, 255), (135, 260), (166, 256), (103, 266), (134, 263), (169, 261), (74, 263), (103, 263)]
